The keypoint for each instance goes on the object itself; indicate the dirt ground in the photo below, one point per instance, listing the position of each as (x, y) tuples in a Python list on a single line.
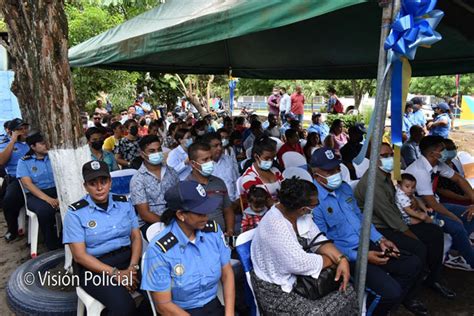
[(17, 252)]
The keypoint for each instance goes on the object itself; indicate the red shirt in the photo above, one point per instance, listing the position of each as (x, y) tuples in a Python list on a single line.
[(286, 148), (297, 103)]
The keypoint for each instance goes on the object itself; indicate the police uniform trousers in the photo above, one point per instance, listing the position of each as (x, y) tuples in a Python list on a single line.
[(428, 247), (13, 201), (117, 299), (46, 217), (392, 281), (213, 308)]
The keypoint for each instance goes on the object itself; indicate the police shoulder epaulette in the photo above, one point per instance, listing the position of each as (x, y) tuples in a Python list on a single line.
[(78, 205), (120, 198), (211, 227), (26, 157), (167, 242)]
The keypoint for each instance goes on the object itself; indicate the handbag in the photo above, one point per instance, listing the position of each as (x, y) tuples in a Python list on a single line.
[(312, 288)]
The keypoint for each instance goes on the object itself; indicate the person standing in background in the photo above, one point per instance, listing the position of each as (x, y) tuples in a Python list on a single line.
[(297, 104)]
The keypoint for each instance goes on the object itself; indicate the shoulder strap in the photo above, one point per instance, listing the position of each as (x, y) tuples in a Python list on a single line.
[(78, 205), (211, 227), (314, 243), (167, 242), (119, 198)]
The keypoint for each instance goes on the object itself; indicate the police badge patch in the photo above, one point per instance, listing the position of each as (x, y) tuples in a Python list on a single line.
[(92, 224), (178, 269), (329, 154)]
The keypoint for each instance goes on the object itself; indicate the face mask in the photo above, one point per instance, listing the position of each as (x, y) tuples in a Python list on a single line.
[(200, 133), (451, 154), (148, 121), (333, 182), (97, 145), (188, 142), (134, 130), (444, 156), (225, 142), (156, 158), (265, 164), (125, 117), (169, 119), (387, 164), (207, 168)]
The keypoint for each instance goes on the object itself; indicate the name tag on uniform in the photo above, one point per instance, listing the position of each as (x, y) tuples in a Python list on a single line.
[(349, 200)]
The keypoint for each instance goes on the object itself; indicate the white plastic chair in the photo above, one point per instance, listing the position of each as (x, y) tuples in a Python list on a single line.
[(154, 230), (121, 181), (361, 168), (278, 141), (85, 302), (293, 159), (248, 152), (297, 172), (242, 246), (22, 221), (33, 224)]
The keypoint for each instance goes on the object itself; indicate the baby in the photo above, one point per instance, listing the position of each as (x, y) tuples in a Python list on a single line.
[(413, 210), (258, 200)]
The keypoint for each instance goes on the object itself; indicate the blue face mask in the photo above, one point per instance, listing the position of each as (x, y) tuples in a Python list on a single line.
[(333, 181), (225, 142), (207, 168), (451, 154), (156, 158), (188, 142), (444, 156), (265, 164), (387, 164)]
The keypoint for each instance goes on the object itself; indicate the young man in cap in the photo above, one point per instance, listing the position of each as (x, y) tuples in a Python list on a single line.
[(12, 149), (418, 117), (442, 123), (36, 175), (318, 126), (102, 232), (389, 273), (95, 140)]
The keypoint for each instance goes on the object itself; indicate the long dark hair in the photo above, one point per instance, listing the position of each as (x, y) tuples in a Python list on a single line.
[(310, 143)]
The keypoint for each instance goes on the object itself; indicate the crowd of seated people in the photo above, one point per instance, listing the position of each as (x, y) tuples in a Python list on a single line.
[(210, 179)]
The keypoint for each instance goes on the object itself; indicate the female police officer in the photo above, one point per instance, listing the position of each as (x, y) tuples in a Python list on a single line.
[(185, 262), (102, 231)]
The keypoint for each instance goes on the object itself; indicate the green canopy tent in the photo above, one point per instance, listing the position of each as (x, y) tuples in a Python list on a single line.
[(319, 39)]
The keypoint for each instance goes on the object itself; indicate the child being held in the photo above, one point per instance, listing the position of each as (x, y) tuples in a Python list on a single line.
[(413, 210), (258, 202)]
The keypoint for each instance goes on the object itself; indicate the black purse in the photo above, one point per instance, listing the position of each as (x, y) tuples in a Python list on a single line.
[(312, 288)]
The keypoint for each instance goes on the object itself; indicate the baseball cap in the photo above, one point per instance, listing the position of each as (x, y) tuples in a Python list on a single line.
[(33, 138), (443, 106), (324, 158), (93, 169), (315, 114), (418, 100), (192, 197), (358, 127), (16, 123), (290, 115)]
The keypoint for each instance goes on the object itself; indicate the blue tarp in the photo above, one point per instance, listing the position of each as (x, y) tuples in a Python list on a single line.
[(9, 107)]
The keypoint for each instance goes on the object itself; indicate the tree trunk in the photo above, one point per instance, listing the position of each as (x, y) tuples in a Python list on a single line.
[(193, 98), (208, 90), (38, 45), (357, 91)]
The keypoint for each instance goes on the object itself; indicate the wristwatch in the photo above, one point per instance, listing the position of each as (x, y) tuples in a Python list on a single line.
[(339, 259), (136, 267)]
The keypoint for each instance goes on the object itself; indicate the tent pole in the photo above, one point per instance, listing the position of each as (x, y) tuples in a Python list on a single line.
[(390, 9)]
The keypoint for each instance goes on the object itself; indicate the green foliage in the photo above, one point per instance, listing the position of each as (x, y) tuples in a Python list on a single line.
[(349, 120), (3, 26), (442, 86), (160, 88)]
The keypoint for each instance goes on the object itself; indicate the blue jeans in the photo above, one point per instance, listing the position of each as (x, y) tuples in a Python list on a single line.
[(459, 232)]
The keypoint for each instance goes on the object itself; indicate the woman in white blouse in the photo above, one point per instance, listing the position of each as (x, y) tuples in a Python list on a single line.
[(278, 257)]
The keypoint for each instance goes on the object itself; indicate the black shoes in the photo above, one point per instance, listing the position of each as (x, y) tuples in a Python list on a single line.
[(416, 307), (443, 291), (10, 237)]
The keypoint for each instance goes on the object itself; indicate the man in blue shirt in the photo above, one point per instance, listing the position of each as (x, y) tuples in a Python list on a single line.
[(389, 274), (318, 126), (418, 117), (407, 122), (36, 176), (12, 149), (442, 123), (95, 139)]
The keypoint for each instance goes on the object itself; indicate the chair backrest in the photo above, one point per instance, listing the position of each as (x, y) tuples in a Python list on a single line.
[(121, 180), (293, 159), (239, 188), (361, 168), (346, 175), (148, 293), (23, 191), (242, 246), (248, 152), (297, 172), (154, 230), (278, 141)]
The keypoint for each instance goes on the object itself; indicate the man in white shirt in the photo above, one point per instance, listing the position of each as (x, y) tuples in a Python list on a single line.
[(285, 103), (458, 219)]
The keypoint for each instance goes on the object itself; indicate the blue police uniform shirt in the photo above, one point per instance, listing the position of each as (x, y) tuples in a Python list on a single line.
[(442, 131), (39, 170), (407, 123), (418, 118), (19, 150), (339, 217), (321, 129), (102, 231), (191, 270), (284, 127)]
